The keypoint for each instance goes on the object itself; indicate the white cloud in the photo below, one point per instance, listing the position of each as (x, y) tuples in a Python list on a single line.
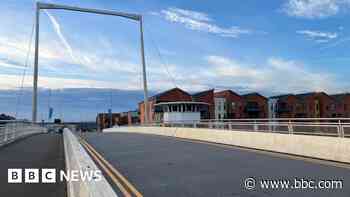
[(318, 36), (339, 42), (63, 39), (191, 14), (312, 9), (275, 75), (7, 65), (12, 82), (201, 22), (231, 68)]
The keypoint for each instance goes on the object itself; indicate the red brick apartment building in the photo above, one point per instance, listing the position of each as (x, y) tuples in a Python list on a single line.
[(104, 120), (228, 105), (176, 95), (255, 106), (342, 105), (309, 105), (206, 97), (282, 106)]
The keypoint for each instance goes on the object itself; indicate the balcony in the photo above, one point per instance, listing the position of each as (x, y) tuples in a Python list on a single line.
[(284, 110)]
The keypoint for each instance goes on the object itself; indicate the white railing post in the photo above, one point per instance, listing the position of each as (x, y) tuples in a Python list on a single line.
[(255, 126), (340, 129), (290, 127), (5, 133), (210, 125), (229, 126), (13, 132)]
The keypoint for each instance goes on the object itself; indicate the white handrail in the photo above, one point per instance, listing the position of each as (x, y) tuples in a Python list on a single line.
[(301, 126), (13, 130)]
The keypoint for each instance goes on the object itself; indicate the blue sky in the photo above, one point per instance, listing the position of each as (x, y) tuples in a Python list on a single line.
[(267, 46)]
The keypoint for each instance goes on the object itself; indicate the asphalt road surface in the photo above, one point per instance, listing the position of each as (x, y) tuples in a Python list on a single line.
[(37, 151), (161, 166)]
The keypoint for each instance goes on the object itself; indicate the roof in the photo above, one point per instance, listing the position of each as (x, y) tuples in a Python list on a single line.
[(340, 97), (303, 96), (155, 97), (282, 96), (199, 94), (182, 102), (253, 94), (166, 92), (229, 91)]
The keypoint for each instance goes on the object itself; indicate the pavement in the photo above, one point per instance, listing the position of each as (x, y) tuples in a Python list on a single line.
[(36, 151), (160, 166)]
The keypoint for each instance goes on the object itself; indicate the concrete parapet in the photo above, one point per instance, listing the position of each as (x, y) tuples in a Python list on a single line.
[(77, 159), (321, 147)]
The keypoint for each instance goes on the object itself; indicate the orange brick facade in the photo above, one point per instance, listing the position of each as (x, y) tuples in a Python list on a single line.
[(175, 94), (206, 97), (234, 103), (255, 106), (312, 105)]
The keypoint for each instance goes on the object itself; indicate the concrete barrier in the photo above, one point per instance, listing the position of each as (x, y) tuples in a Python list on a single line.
[(78, 159), (321, 147)]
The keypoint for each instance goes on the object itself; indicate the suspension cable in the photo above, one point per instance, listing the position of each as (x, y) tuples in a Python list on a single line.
[(20, 92), (164, 63)]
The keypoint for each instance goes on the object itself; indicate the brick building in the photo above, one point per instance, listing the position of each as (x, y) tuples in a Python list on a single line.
[(314, 105), (172, 95), (177, 95), (342, 105), (282, 106), (206, 97), (308, 105), (255, 106), (228, 105), (106, 120)]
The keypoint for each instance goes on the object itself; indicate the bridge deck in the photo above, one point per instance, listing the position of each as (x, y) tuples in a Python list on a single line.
[(163, 166), (37, 151)]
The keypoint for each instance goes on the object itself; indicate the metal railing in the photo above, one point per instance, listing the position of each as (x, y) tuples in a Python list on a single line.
[(337, 127), (14, 129)]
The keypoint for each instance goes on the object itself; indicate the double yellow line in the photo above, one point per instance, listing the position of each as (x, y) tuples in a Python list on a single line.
[(126, 188)]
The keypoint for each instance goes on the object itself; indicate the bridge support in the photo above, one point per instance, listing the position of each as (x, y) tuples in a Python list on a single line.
[(134, 17)]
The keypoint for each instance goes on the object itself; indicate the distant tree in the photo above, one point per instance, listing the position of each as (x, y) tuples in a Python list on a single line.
[(6, 117)]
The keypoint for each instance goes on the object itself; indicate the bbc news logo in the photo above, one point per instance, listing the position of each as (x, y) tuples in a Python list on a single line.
[(51, 175)]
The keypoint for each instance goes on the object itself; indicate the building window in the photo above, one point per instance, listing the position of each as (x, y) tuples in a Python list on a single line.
[(233, 105), (333, 106), (188, 107)]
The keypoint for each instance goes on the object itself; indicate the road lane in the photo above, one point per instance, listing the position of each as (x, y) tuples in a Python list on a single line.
[(163, 166), (37, 151)]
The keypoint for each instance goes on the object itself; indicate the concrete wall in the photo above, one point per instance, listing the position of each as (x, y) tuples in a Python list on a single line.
[(181, 116), (328, 148), (78, 159)]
